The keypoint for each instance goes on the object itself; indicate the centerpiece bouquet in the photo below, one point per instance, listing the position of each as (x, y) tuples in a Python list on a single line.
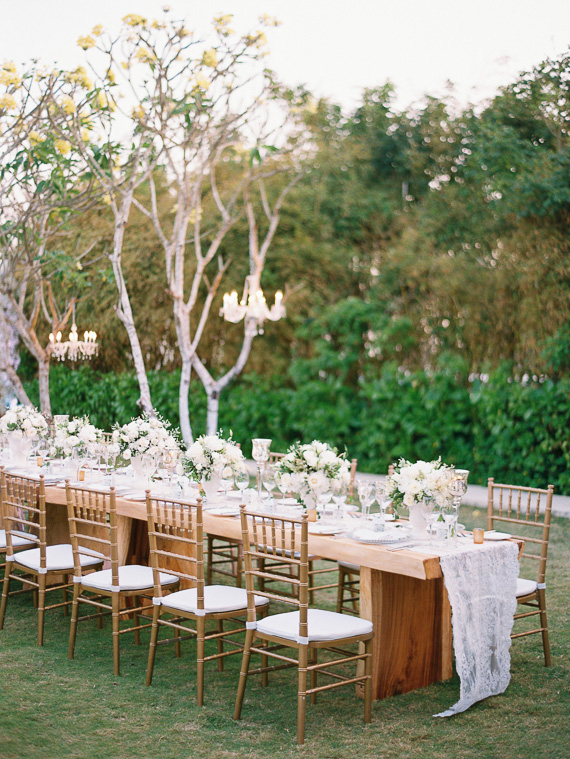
[(23, 422), (145, 435), (308, 469), (410, 484), (75, 434), (210, 457)]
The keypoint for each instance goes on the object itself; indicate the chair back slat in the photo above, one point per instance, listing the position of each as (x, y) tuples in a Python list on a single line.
[(520, 511), (23, 505), (276, 537), (176, 539), (353, 467), (93, 527)]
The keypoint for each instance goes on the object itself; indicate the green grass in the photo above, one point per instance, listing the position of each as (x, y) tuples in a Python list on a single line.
[(51, 706)]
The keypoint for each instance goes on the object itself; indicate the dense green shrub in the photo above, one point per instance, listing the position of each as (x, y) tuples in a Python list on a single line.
[(512, 430)]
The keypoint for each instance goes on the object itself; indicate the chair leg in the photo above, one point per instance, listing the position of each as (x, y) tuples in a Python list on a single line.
[(313, 659), (201, 634), (368, 683), (177, 644), (311, 591), (239, 562), (544, 625), (136, 622), (42, 579), (220, 644), (264, 663), (152, 646), (302, 694), (74, 616), (115, 606), (5, 593), (340, 590), (243, 673)]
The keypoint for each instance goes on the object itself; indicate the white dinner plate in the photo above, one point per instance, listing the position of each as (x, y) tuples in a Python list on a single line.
[(392, 535), (224, 511), (323, 529), (492, 535)]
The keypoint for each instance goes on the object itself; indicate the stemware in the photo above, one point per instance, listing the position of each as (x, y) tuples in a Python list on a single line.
[(226, 480), (260, 454), (366, 496), (268, 480), (241, 479), (339, 490)]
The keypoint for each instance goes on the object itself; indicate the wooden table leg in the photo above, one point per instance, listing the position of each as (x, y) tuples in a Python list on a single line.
[(412, 631)]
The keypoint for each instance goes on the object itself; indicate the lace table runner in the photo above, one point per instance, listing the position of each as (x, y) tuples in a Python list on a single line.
[(481, 583)]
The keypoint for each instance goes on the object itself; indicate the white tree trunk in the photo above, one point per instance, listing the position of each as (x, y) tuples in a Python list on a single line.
[(6, 367), (43, 378), (213, 395), (184, 409)]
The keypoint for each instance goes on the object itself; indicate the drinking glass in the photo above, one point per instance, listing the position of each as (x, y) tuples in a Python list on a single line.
[(268, 480), (338, 491), (241, 480), (260, 454), (366, 496)]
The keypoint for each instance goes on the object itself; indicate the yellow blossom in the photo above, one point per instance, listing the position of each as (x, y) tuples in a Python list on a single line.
[(256, 39), (111, 76), (210, 58), (9, 75), (86, 42), (68, 105), (79, 76), (193, 216), (202, 82), (221, 24), (62, 146), (158, 24), (36, 138), (103, 101), (144, 55), (97, 30), (138, 113), (268, 20), (7, 102), (106, 199), (183, 32), (133, 19), (85, 135), (79, 266), (125, 64)]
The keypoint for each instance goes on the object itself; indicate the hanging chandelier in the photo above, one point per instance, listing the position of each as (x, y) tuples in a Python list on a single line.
[(74, 348), (253, 308)]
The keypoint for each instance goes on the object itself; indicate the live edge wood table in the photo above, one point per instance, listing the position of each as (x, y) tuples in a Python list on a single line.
[(402, 592)]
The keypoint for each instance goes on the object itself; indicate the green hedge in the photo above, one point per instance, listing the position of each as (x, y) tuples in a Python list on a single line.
[(513, 431)]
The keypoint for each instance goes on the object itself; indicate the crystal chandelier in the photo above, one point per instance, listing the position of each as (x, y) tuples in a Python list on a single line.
[(74, 348), (253, 308)]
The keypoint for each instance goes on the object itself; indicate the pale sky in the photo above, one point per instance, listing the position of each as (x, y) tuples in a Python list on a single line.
[(335, 47)]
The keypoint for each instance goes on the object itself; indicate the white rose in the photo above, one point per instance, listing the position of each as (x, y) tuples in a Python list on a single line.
[(311, 458), (409, 500)]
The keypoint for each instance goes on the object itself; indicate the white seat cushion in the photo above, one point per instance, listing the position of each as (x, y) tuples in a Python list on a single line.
[(217, 599), (322, 625), (350, 567), (524, 587), (59, 558), (16, 541), (131, 577)]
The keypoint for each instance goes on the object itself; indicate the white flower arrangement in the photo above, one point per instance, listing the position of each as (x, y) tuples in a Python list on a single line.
[(412, 483), (211, 456), (310, 468), (24, 421), (77, 434), (151, 435)]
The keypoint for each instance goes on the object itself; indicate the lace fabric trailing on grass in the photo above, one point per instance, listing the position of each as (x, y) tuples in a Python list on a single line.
[(481, 585)]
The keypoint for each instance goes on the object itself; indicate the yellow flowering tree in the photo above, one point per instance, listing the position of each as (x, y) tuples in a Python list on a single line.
[(204, 112), (43, 186)]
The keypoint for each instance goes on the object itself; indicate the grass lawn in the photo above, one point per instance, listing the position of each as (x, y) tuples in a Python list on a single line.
[(54, 707)]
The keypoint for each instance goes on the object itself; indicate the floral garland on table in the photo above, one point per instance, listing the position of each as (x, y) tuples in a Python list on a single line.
[(24, 421), (309, 468), (211, 456), (77, 434), (412, 483), (146, 434)]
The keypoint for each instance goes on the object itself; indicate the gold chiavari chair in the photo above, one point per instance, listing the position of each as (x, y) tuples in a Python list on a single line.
[(18, 543), (41, 567), (525, 512), (176, 538), (93, 526), (306, 630)]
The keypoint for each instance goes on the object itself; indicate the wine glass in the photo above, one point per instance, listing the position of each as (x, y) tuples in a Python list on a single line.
[(268, 480), (339, 490), (260, 454), (241, 479), (226, 480), (366, 496)]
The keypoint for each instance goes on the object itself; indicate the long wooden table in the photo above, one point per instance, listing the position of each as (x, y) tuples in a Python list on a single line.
[(402, 592)]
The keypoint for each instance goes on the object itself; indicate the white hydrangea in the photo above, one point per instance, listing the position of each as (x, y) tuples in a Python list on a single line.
[(211, 456), (24, 421)]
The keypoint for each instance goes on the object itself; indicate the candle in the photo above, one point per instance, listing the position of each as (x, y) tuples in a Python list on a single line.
[(478, 534)]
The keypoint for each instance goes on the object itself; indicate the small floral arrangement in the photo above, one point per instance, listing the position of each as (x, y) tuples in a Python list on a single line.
[(309, 468), (412, 483), (77, 434), (146, 434), (211, 456), (24, 421)]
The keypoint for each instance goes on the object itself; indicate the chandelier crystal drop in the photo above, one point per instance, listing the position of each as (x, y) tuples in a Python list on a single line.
[(253, 308), (74, 348)]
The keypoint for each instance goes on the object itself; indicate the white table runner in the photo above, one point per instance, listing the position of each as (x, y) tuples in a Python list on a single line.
[(481, 582)]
